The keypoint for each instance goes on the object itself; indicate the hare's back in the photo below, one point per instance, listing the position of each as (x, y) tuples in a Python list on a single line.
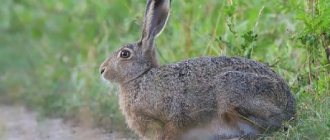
[(197, 75), (210, 66)]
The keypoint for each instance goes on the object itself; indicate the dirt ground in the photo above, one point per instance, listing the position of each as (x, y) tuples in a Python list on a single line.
[(18, 123)]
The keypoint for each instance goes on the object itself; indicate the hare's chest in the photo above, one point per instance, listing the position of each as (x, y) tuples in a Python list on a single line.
[(133, 104)]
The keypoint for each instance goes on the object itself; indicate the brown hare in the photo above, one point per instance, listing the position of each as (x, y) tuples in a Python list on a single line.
[(201, 98)]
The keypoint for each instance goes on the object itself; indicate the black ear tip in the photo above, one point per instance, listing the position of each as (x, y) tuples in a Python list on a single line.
[(159, 2)]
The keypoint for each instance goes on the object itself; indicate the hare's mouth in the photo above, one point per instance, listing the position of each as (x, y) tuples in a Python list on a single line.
[(102, 72), (104, 79)]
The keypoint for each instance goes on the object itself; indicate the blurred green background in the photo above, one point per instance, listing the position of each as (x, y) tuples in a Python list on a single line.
[(50, 51)]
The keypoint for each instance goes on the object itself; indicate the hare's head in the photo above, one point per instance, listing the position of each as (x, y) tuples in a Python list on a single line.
[(134, 59)]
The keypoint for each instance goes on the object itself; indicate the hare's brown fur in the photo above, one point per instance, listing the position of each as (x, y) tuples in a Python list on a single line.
[(189, 94), (202, 98)]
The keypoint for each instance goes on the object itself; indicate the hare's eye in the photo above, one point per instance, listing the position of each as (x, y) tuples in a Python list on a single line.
[(125, 54)]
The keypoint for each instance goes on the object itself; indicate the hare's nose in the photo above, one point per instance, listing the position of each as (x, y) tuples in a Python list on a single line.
[(102, 70)]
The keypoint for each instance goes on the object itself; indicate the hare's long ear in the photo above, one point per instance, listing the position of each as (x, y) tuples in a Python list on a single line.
[(155, 18)]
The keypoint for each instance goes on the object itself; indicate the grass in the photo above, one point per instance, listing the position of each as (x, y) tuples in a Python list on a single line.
[(50, 51)]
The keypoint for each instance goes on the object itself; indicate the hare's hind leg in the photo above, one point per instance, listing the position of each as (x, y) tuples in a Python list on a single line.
[(226, 126), (258, 99), (231, 126)]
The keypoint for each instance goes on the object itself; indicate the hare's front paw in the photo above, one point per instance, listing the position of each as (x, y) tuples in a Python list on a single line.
[(170, 132)]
